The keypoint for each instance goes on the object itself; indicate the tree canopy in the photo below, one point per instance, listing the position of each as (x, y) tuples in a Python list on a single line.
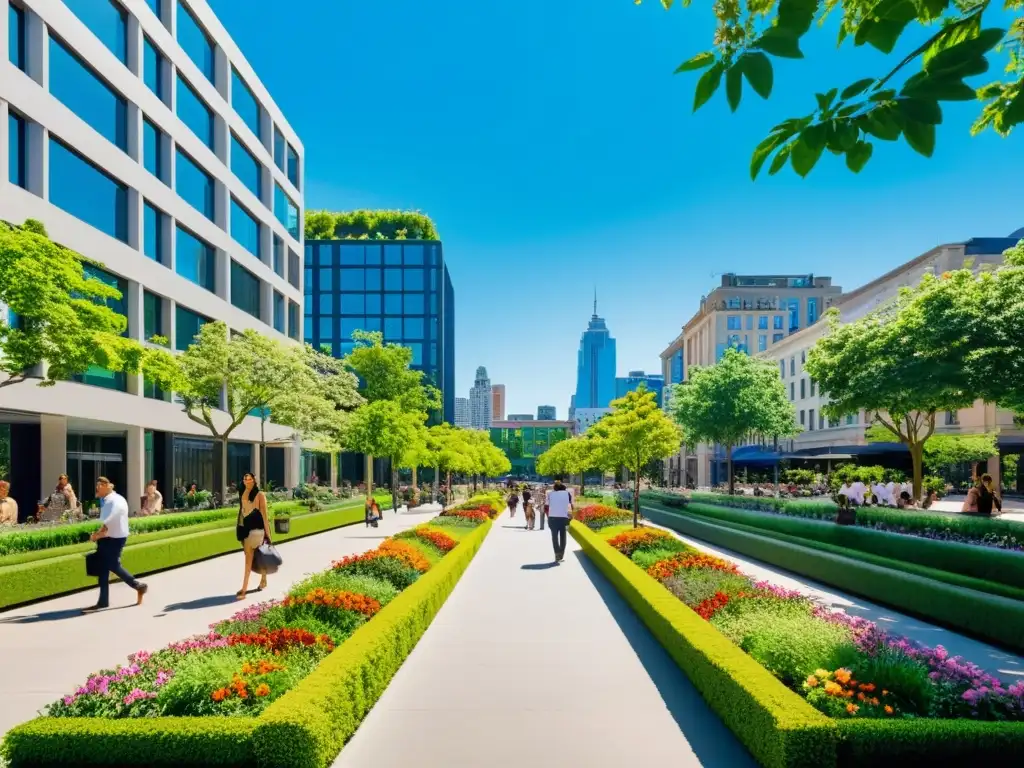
[(369, 225), (729, 402), (941, 451), (384, 374), (959, 39)]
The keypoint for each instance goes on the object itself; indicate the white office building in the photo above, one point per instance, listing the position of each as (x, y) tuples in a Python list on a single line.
[(137, 132), (462, 418), (481, 401)]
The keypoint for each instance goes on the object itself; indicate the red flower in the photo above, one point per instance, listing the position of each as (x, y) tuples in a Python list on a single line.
[(439, 539), (708, 608), (347, 601), (277, 640)]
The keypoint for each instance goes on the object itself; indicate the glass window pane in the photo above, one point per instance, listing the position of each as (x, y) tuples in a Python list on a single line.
[(86, 192), (186, 325), (326, 329), (373, 254), (373, 324), (417, 353), (351, 255), (414, 279), (293, 268), (152, 315), (353, 303), (244, 102), (392, 304), (82, 91), (153, 150), (413, 328), (373, 303), (393, 329), (293, 320), (326, 279), (153, 64), (153, 230), (194, 40), (414, 304), (246, 167), (194, 259), (194, 185), (293, 166), (392, 254), (279, 256), (105, 19), (278, 149), (245, 290), (16, 36), (324, 254), (350, 325), (392, 279), (278, 312), (325, 303), (307, 327), (373, 279), (16, 150), (245, 229), (286, 211), (352, 280), (193, 112), (413, 254)]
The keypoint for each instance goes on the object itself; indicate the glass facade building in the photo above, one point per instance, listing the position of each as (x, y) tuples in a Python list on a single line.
[(523, 442), (654, 382), (400, 288), (595, 365)]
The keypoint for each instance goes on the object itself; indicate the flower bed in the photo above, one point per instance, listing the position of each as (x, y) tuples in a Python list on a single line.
[(847, 668), (598, 516), (258, 667)]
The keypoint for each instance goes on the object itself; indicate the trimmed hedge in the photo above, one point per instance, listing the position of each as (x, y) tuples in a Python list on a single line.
[(305, 728), (780, 729), (990, 617), (54, 576), (899, 743), (953, 563)]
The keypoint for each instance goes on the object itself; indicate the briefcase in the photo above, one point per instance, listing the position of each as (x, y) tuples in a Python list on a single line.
[(93, 564)]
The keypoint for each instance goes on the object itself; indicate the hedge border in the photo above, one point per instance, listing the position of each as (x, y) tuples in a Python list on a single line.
[(765, 525), (995, 619), (53, 576), (305, 728), (778, 727)]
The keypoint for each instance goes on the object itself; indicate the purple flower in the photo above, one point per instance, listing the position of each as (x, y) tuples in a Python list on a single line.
[(69, 700), (137, 694)]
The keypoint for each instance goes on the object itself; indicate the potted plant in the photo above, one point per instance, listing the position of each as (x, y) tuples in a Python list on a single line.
[(282, 522)]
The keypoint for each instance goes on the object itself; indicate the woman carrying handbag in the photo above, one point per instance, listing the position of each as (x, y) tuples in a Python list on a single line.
[(253, 528)]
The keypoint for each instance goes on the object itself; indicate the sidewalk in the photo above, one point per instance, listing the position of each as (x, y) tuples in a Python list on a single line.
[(532, 665), (50, 648)]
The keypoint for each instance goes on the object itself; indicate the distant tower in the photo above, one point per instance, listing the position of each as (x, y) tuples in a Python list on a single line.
[(480, 401), (462, 412), (595, 368)]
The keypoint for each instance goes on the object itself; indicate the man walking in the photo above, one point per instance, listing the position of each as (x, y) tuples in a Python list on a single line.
[(559, 505), (110, 540)]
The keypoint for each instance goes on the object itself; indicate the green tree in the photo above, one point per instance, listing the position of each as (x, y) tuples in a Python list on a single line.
[(942, 451), (885, 106), (63, 320), (452, 450), (729, 402), (633, 433), (568, 457), (378, 428)]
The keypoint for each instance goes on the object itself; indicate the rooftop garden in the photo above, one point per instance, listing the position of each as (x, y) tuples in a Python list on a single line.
[(369, 225)]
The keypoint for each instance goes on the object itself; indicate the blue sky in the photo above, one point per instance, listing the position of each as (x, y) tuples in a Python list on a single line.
[(557, 153)]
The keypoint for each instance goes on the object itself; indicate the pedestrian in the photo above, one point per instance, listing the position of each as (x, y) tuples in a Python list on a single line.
[(62, 501), (559, 511), (110, 540), (153, 501), (513, 502), (982, 497), (373, 513), (527, 496), (253, 527), (8, 506), (529, 511), (544, 507)]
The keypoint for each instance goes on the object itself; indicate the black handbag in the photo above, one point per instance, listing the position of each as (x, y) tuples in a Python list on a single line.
[(240, 530), (93, 564), (266, 559)]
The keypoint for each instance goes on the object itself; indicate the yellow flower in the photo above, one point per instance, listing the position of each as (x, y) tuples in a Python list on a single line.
[(833, 689), (852, 708), (843, 676), (821, 674)]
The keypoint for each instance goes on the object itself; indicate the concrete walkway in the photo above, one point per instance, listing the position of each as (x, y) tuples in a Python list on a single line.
[(50, 648), (532, 665)]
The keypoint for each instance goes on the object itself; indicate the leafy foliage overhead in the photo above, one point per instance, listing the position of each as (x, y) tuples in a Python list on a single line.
[(384, 374), (369, 225), (848, 119)]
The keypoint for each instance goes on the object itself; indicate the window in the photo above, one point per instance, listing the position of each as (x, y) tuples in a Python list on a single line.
[(293, 166), (393, 304), (794, 315), (350, 325), (414, 279), (278, 312), (152, 315), (392, 279), (417, 353), (803, 389), (734, 303), (279, 257), (851, 418), (952, 418), (393, 329), (105, 19), (821, 421), (195, 260), (353, 303), (803, 418), (812, 310), (153, 232), (244, 102), (156, 7), (814, 386), (293, 268), (246, 167), (186, 325), (153, 150), (82, 91), (413, 254), (762, 342), (86, 192), (414, 304), (351, 255), (194, 40), (325, 302), (324, 254), (803, 356), (286, 211), (777, 322), (194, 185), (792, 391), (732, 322), (16, 36), (293, 318), (373, 280), (782, 368), (762, 322), (245, 290), (245, 229), (16, 151), (413, 328), (810, 421), (194, 113), (326, 279), (792, 366), (776, 337), (326, 329), (750, 322), (153, 63), (278, 149)]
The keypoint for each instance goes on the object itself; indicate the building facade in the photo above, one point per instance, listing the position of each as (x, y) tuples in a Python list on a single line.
[(462, 412), (595, 366), (632, 381), (480, 401), (400, 288), (518, 417), (524, 442), (497, 402), (546, 413), (141, 138)]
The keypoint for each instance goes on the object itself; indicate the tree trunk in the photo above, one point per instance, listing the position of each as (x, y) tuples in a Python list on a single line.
[(414, 477), (437, 476), (728, 458), (369, 476), (636, 500), (917, 460), (583, 483), (475, 476), (394, 486), (263, 449), (224, 470)]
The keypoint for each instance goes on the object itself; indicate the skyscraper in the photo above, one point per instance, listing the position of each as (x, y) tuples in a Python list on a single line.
[(480, 401), (654, 382), (545, 412), (497, 402), (462, 412), (595, 370)]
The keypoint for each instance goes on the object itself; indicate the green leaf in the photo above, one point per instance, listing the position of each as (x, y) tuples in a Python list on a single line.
[(1014, 112), (940, 90), (883, 95), (881, 124), (856, 89), (920, 136), (795, 16), (700, 61), (707, 85), (920, 110), (779, 43), (858, 155), (733, 86), (780, 159), (814, 136), (884, 34), (757, 68), (762, 151), (951, 36), (805, 156)]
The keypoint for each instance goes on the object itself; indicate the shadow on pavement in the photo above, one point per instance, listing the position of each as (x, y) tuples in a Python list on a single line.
[(64, 613), (203, 602), (515, 527), (712, 743), (538, 566), (378, 538)]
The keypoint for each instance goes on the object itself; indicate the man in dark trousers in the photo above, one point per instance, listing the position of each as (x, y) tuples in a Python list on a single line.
[(559, 512)]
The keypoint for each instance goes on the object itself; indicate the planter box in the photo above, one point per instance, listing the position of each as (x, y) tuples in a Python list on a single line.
[(282, 524)]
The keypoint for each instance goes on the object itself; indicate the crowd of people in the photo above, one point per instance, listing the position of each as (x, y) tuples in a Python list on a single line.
[(553, 505)]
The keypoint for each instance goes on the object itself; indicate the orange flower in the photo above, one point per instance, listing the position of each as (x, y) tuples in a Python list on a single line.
[(888, 709), (843, 676), (860, 696), (869, 687), (247, 668), (849, 694), (263, 690), (220, 694), (833, 689), (852, 708), (885, 692), (874, 702), (812, 681)]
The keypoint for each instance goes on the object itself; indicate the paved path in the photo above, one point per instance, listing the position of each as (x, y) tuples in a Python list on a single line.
[(531, 665), (50, 648), (993, 660)]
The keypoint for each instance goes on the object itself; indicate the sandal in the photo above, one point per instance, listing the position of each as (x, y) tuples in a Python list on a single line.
[(263, 584)]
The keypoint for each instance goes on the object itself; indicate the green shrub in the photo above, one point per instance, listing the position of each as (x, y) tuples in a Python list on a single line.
[(890, 670), (386, 569), (645, 558), (791, 648), (381, 591), (739, 618), (694, 586), (776, 725), (921, 742)]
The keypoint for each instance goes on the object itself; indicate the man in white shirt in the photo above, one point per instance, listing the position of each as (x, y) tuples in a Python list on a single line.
[(110, 540), (559, 509), (857, 491)]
